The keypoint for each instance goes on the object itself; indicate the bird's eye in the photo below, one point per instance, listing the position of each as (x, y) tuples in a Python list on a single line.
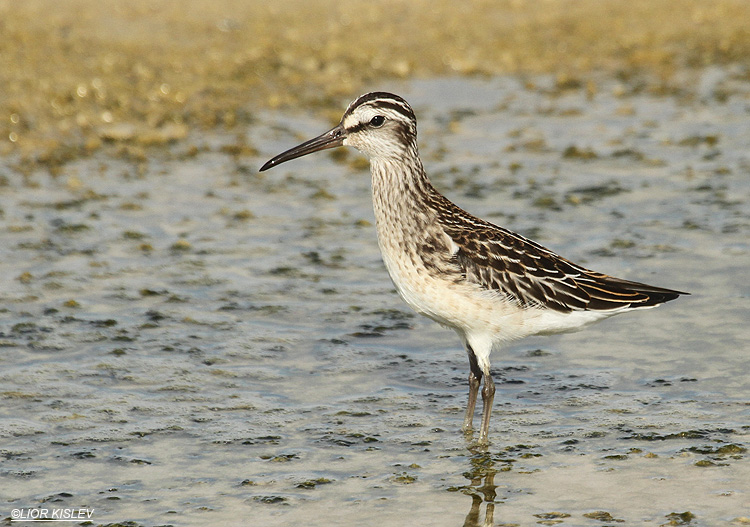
[(377, 121)]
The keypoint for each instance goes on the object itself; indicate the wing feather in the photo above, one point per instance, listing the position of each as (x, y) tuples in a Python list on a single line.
[(527, 273)]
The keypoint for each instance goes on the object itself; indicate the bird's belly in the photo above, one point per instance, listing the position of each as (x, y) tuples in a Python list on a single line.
[(469, 309), (443, 297)]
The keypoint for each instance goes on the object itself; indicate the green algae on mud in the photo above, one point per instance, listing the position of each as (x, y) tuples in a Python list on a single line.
[(129, 77)]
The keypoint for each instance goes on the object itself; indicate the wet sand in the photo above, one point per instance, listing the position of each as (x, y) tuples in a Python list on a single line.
[(79, 76)]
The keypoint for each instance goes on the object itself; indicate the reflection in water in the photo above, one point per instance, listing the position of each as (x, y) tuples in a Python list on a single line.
[(481, 489), (486, 493)]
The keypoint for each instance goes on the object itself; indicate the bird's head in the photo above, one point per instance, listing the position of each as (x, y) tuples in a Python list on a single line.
[(378, 124)]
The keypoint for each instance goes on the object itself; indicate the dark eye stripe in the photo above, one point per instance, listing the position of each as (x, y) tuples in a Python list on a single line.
[(356, 128)]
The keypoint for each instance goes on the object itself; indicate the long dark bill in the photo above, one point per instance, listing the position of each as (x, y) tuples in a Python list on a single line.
[(331, 139)]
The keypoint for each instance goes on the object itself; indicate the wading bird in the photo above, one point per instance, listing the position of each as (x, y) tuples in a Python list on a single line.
[(489, 284)]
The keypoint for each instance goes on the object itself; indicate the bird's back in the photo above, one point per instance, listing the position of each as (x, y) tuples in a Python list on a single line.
[(468, 273), (500, 260)]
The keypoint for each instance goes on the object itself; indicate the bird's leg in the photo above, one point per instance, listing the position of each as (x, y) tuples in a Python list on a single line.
[(474, 383), (475, 379), (488, 396)]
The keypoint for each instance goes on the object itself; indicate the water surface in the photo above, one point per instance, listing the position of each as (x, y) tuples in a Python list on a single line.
[(188, 342)]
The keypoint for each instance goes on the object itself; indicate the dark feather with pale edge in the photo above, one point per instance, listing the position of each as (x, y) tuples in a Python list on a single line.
[(500, 260)]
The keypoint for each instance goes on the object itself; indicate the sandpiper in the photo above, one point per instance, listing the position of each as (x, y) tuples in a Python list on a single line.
[(489, 284)]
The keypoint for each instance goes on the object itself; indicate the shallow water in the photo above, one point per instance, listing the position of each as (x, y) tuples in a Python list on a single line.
[(188, 342)]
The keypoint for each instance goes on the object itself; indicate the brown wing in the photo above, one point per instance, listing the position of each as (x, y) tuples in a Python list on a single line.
[(524, 271)]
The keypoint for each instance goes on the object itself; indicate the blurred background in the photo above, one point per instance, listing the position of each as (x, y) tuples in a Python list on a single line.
[(79, 74)]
